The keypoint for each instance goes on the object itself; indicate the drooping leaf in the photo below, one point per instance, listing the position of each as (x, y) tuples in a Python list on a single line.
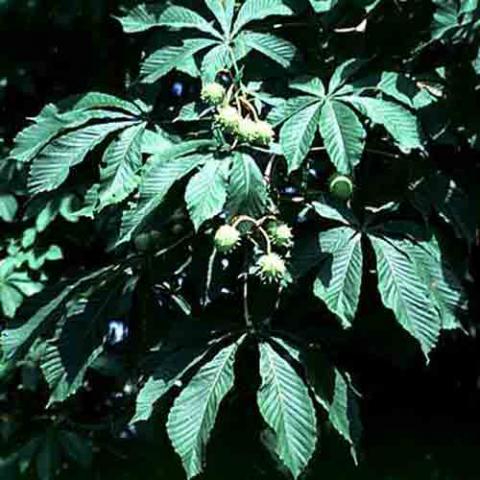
[(285, 404), (194, 411)]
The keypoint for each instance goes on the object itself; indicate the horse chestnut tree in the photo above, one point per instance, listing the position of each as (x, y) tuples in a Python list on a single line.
[(200, 248)]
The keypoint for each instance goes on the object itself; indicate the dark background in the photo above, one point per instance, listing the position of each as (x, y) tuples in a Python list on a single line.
[(420, 422)]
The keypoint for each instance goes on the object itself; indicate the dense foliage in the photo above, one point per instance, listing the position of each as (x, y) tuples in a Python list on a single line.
[(223, 244)]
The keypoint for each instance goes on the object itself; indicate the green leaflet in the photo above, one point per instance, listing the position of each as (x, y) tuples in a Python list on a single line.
[(297, 134), (8, 207), (168, 58), (403, 291), (247, 190), (206, 192), (273, 47), (194, 411), (252, 10), (223, 11), (343, 135), (143, 17), (399, 122), (121, 163), (288, 108), (50, 123), (339, 279), (285, 404), (52, 165), (445, 288)]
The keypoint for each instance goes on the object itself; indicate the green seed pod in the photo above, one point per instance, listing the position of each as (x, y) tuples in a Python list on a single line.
[(229, 118), (281, 235), (341, 186), (247, 130), (264, 133), (272, 269), (226, 238), (213, 93)]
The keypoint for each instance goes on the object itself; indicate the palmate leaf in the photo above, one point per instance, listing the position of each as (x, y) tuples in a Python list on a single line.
[(52, 165), (247, 190), (339, 279), (168, 58), (297, 135), (343, 135), (403, 290), (143, 17), (194, 411), (80, 336), (252, 10), (121, 163), (285, 404), (273, 47), (206, 192)]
